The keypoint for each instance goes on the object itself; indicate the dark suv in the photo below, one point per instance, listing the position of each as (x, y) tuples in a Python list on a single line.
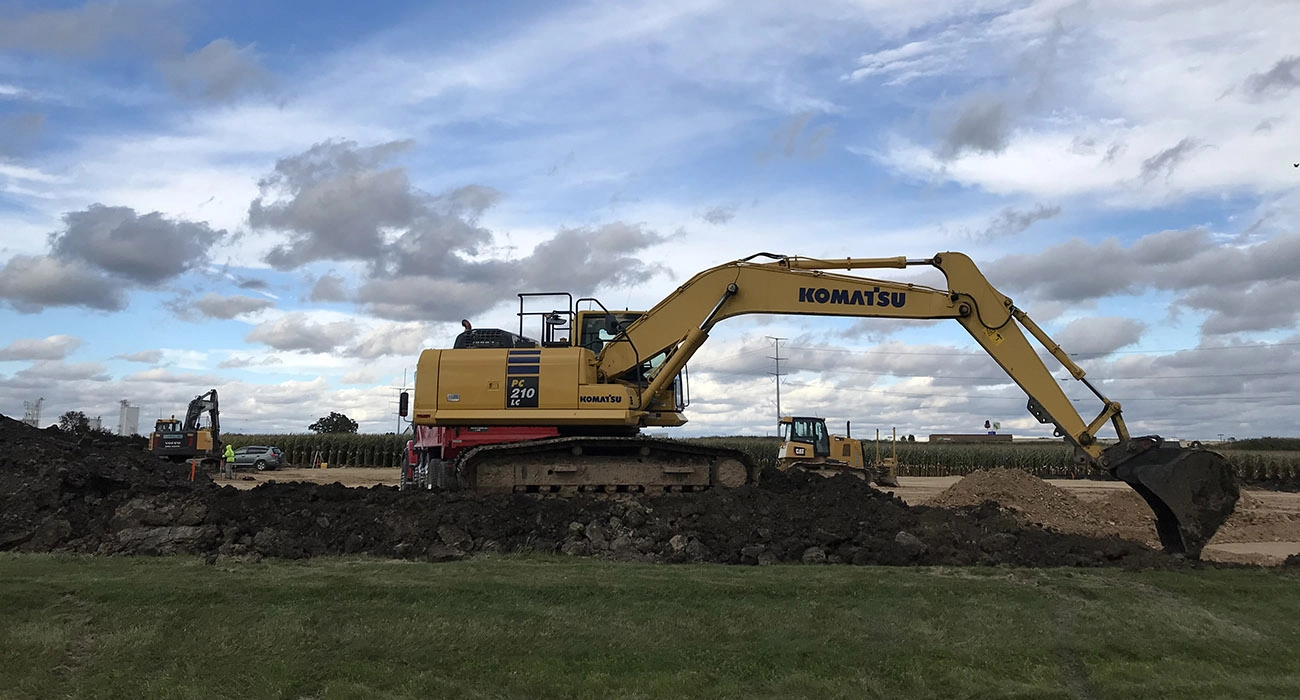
[(260, 457)]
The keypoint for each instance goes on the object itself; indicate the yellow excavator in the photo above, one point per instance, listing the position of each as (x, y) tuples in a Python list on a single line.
[(806, 444), (563, 413), (179, 441)]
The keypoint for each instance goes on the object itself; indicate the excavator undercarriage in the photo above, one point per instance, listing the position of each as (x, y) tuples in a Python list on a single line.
[(568, 465)]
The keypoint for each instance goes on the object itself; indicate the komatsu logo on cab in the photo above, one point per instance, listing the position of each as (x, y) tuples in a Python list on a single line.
[(600, 399), (857, 297)]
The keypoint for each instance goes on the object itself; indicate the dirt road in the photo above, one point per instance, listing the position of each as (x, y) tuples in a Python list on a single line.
[(348, 476)]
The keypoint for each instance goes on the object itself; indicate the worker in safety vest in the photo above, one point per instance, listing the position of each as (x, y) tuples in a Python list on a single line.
[(229, 470)]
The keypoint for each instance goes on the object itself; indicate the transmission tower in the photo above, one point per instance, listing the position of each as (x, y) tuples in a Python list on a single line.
[(32, 412), (776, 342)]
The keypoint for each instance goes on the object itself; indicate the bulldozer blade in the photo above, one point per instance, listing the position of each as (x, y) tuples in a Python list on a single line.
[(886, 479), (1191, 490)]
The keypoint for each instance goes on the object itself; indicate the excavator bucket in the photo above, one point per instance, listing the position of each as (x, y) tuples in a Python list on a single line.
[(1191, 490)]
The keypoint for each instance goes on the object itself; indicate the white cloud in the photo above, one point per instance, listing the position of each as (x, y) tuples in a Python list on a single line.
[(55, 347), (1135, 91)]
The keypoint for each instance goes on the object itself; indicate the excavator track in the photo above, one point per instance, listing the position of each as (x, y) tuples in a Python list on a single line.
[(600, 465)]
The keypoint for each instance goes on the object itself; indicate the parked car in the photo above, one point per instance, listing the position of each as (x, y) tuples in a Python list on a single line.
[(260, 457)]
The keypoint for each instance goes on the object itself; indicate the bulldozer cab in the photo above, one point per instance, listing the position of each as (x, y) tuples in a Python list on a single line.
[(167, 425), (808, 431)]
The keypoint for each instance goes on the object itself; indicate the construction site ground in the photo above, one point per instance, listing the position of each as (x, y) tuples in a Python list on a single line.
[(1265, 529)]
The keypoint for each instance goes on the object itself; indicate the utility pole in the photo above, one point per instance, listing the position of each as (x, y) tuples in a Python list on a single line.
[(399, 400), (777, 374)]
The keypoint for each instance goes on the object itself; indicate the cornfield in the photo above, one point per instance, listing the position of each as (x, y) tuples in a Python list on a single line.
[(335, 449), (1048, 459)]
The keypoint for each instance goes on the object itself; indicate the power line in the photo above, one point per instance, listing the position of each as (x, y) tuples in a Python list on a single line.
[(777, 375), (1258, 346), (1073, 354), (946, 395), (1006, 379)]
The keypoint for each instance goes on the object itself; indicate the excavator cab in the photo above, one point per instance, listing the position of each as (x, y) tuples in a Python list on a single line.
[(598, 328)]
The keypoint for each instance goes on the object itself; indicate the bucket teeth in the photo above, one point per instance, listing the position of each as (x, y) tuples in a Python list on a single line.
[(1192, 491)]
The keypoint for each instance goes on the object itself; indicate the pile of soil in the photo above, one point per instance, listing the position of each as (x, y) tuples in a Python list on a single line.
[(57, 495), (1253, 521), (1031, 499), (1122, 513), (1126, 514)]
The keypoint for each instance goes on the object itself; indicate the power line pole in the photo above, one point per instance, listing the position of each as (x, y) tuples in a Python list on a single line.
[(399, 401), (777, 374)]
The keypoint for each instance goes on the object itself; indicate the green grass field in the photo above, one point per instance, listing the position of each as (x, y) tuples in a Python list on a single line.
[(552, 627)]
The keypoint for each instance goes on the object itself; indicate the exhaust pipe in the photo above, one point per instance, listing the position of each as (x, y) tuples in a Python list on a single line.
[(1191, 490)]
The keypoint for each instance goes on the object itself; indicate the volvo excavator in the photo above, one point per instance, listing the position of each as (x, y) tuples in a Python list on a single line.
[(179, 441), (563, 413)]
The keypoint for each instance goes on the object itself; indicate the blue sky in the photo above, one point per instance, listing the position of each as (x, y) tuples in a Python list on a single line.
[(287, 201)]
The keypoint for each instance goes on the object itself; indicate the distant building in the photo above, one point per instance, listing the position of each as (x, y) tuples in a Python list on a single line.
[(128, 418), (970, 437)]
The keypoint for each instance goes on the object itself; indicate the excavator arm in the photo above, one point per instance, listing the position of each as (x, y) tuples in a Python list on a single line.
[(1191, 491), (201, 403)]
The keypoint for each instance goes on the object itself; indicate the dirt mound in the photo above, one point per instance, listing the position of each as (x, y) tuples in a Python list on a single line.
[(61, 493), (56, 495), (1254, 521), (1126, 509), (1122, 513), (1032, 499)]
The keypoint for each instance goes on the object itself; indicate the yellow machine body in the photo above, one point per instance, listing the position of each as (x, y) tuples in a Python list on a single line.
[(541, 386)]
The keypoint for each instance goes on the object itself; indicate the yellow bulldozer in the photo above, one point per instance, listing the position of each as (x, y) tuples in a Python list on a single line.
[(806, 444), (562, 412)]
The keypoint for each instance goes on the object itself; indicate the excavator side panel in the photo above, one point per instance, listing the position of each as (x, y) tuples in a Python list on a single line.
[(519, 386)]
